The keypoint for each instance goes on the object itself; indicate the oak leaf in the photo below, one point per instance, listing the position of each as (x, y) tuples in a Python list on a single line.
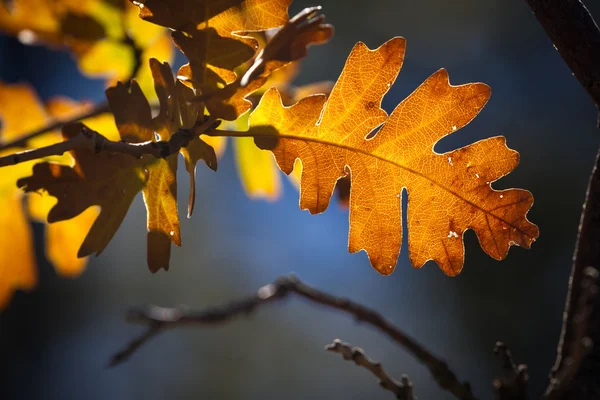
[(447, 193), (286, 45), (112, 180), (257, 169), (212, 34), (108, 180), (227, 17)]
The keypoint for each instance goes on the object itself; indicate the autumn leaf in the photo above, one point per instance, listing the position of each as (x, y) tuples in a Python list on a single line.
[(176, 111), (211, 34), (287, 44), (97, 32), (112, 180), (21, 112), (226, 16), (257, 169), (447, 193)]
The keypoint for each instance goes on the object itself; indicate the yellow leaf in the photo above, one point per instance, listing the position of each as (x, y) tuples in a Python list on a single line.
[(257, 169), (160, 48), (107, 59), (64, 238), (219, 143), (448, 193), (17, 259)]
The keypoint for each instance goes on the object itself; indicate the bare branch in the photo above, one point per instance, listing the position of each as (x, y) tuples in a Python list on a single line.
[(513, 384), (576, 36), (580, 343), (159, 319), (403, 390), (89, 139)]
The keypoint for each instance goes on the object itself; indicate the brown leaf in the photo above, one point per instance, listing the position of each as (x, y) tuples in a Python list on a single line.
[(448, 193), (290, 43), (225, 16), (195, 151), (108, 180), (212, 58)]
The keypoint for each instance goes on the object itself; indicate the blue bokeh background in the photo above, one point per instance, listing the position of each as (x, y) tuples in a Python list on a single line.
[(56, 341)]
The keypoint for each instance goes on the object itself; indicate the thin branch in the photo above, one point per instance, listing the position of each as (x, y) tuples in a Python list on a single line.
[(92, 140), (580, 344), (513, 384), (98, 109), (403, 390), (576, 36), (159, 319)]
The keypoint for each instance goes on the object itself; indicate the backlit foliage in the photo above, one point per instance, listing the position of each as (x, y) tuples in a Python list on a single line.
[(242, 56)]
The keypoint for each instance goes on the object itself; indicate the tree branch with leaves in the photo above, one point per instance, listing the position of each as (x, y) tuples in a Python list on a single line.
[(232, 86)]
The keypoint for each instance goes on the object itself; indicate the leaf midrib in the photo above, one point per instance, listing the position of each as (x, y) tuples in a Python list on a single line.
[(381, 158)]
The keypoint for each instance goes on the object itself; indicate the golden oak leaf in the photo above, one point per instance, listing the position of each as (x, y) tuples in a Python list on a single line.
[(22, 112), (448, 193), (225, 16), (257, 168)]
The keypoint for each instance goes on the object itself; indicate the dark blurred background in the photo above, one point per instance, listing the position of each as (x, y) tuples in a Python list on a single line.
[(56, 341)]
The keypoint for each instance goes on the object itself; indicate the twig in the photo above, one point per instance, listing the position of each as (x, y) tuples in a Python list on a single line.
[(160, 319), (513, 384), (98, 109), (403, 390), (580, 344), (89, 139), (576, 36)]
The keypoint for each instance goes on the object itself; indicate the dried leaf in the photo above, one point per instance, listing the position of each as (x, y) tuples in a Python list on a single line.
[(448, 193), (290, 43), (108, 180), (225, 16)]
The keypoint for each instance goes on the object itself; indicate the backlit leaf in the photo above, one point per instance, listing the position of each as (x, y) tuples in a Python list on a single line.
[(447, 193)]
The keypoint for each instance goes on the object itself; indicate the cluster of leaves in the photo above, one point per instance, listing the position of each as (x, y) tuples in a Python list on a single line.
[(106, 37), (236, 49)]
